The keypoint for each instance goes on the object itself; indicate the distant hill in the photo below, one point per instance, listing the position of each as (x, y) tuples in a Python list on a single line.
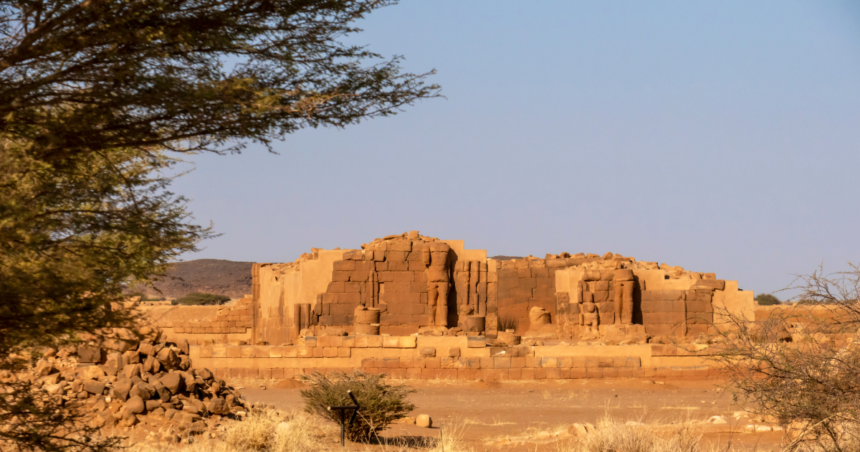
[(216, 276), (505, 258)]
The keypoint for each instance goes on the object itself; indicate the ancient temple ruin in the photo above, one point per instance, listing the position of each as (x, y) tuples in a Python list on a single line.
[(412, 306), (408, 284)]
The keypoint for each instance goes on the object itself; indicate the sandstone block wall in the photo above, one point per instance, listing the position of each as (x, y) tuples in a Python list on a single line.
[(404, 276), (199, 324), (451, 358)]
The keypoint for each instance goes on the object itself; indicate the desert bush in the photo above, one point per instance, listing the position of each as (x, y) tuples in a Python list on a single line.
[(263, 430), (809, 384), (381, 403), (766, 299), (201, 299)]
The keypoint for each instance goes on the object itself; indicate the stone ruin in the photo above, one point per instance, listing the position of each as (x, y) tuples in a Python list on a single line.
[(409, 284)]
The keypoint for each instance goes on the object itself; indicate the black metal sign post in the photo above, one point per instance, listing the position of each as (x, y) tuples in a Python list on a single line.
[(342, 410)]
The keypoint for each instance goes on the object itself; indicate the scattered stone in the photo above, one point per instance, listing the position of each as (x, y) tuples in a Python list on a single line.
[(424, 420), (135, 405), (89, 353), (94, 387)]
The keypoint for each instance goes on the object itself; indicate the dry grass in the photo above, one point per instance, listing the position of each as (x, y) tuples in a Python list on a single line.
[(265, 430), (612, 435)]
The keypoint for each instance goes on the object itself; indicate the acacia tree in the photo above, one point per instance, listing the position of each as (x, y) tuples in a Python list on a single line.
[(189, 75), (95, 95), (71, 235), (799, 364)]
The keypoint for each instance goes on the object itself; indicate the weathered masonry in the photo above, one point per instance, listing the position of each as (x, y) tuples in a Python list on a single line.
[(410, 284)]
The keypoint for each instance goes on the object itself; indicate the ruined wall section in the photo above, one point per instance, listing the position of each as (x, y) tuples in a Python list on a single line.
[(521, 284), (205, 324), (667, 300), (414, 281), (284, 294)]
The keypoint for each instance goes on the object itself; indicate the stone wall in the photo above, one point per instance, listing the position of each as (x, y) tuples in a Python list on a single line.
[(423, 285), (463, 358), (202, 324)]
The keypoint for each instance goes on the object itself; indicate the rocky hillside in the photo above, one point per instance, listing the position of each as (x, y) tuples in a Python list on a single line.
[(217, 276)]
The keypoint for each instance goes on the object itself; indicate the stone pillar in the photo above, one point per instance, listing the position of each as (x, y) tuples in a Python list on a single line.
[(366, 321)]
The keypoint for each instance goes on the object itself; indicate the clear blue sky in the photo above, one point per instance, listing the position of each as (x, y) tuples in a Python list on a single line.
[(716, 135)]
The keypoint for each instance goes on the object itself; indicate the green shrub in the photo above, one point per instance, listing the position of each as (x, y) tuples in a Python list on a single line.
[(766, 299), (144, 297), (203, 299), (381, 403)]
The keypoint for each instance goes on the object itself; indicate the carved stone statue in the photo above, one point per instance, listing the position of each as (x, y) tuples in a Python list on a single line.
[(623, 280), (435, 257), (588, 317), (538, 318), (540, 323)]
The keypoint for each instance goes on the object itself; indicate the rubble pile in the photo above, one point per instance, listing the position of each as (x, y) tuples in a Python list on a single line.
[(142, 386)]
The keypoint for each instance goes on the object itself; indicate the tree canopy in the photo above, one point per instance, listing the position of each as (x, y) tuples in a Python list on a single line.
[(96, 98), (189, 75)]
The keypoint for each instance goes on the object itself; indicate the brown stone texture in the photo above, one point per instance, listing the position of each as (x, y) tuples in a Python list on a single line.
[(527, 283)]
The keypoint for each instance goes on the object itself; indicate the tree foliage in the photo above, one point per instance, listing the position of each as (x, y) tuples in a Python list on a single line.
[(71, 234), (766, 299), (198, 299), (74, 232), (381, 403), (188, 75), (94, 96), (810, 382)]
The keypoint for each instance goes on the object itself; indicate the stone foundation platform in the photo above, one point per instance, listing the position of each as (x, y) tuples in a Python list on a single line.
[(454, 358)]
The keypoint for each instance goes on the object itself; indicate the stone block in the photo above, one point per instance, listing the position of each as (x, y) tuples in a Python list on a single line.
[(344, 265), (428, 352), (549, 362), (374, 341), (89, 354), (408, 342), (400, 267), (593, 372), (713, 284), (476, 342), (431, 363), (486, 363), (395, 255), (533, 361), (501, 362)]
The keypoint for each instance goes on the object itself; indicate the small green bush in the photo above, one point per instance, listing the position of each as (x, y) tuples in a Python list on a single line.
[(144, 297), (381, 403), (766, 299), (201, 299)]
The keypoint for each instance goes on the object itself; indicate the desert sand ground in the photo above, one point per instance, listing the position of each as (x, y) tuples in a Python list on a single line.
[(512, 415)]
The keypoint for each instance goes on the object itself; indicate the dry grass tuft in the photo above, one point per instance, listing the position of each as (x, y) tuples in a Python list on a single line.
[(612, 435), (265, 430)]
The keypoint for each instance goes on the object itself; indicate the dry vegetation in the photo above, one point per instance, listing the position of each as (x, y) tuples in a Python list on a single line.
[(267, 430)]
